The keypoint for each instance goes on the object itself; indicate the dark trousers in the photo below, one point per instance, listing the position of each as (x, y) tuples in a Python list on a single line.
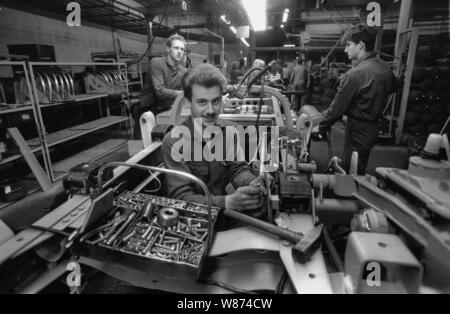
[(360, 136)]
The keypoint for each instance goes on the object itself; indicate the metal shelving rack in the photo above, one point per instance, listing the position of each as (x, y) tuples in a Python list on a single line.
[(24, 106), (72, 132), (139, 82)]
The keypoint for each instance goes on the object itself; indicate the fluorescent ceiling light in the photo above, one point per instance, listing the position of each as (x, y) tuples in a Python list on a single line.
[(245, 42), (127, 9), (285, 15), (289, 46), (256, 11), (233, 29)]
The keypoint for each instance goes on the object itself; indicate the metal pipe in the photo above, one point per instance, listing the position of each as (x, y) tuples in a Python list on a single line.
[(331, 204), (222, 55), (337, 211), (327, 181), (166, 171), (284, 103)]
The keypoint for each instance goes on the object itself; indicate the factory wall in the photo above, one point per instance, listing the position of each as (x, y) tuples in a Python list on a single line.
[(73, 44)]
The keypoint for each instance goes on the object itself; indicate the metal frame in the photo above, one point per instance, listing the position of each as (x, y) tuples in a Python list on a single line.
[(407, 80), (65, 82), (30, 107)]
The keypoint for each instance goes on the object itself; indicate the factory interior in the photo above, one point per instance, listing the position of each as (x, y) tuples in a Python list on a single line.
[(113, 174)]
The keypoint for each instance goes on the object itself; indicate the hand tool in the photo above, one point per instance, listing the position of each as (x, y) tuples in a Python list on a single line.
[(305, 245)]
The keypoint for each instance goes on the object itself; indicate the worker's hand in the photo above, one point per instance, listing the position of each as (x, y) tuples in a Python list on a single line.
[(244, 198), (319, 135), (260, 183)]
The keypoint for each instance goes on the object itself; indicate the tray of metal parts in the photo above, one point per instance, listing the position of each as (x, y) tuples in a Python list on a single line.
[(171, 241), (136, 201)]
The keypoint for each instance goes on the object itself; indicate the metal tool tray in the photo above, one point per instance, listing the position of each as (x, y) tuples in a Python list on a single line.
[(178, 265)]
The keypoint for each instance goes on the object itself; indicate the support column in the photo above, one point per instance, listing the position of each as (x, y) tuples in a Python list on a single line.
[(252, 44), (149, 36), (403, 24)]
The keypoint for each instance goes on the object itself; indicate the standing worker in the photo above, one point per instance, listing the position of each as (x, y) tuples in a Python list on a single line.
[(297, 82), (362, 95), (164, 79)]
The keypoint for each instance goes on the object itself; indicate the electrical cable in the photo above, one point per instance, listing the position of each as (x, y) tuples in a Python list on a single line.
[(242, 81), (153, 38), (157, 180)]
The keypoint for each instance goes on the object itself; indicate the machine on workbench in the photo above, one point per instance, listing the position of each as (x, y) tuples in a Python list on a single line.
[(331, 233)]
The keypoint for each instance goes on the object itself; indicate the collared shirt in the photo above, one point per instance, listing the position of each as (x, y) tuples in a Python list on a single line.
[(215, 174), (362, 93), (163, 81)]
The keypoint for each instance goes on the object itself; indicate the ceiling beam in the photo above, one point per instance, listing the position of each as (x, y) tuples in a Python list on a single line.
[(202, 25), (260, 49)]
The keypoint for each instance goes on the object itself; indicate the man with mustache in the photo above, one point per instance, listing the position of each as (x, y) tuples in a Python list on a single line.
[(163, 81), (203, 87)]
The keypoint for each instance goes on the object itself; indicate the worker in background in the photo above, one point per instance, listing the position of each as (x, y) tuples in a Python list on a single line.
[(235, 74), (259, 65), (285, 74), (275, 76), (203, 87), (163, 82), (297, 82), (362, 95)]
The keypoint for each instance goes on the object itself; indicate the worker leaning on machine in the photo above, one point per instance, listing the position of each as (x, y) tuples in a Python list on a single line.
[(203, 86), (362, 95)]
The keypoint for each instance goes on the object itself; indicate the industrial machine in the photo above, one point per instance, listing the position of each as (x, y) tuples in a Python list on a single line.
[(333, 232)]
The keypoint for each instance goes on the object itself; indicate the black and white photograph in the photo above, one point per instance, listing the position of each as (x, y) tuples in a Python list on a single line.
[(224, 155)]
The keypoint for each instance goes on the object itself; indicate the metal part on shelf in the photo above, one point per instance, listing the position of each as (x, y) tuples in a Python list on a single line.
[(54, 86)]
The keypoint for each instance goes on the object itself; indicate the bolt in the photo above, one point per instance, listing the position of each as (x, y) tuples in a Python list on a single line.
[(128, 237), (195, 233)]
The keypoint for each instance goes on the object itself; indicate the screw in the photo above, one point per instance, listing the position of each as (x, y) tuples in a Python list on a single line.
[(128, 237)]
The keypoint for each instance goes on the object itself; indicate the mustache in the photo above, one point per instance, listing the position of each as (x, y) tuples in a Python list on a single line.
[(209, 115)]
